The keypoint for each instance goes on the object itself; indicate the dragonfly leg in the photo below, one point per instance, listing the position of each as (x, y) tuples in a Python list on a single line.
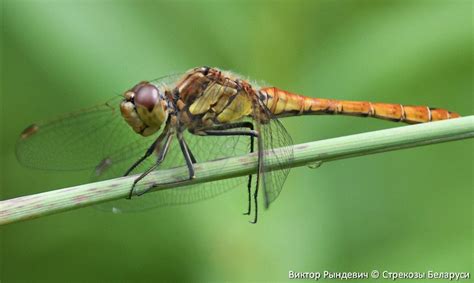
[(193, 159), (149, 151), (252, 138), (249, 183), (259, 171), (161, 156), (224, 131), (187, 155)]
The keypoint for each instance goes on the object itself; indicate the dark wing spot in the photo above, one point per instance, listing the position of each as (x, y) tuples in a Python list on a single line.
[(29, 131)]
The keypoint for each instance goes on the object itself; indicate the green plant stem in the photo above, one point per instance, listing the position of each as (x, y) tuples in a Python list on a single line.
[(33, 206)]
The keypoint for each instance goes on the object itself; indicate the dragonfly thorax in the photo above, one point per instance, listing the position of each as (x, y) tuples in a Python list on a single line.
[(144, 108)]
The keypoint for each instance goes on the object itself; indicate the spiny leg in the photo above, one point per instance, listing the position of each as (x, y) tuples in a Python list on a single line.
[(259, 171), (249, 183), (161, 156), (149, 151), (251, 127), (223, 131), (186, 154), (193, 159)]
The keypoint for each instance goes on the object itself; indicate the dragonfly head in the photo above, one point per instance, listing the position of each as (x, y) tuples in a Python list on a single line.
[(144, 108)]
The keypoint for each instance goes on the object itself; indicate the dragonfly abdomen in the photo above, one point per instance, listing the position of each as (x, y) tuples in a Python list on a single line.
[(282, 104)]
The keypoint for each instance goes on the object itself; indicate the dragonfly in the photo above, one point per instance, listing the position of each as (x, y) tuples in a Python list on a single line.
[(200, 115)]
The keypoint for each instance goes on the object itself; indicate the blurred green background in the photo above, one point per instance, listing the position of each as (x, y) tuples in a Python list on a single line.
[(407, 210)]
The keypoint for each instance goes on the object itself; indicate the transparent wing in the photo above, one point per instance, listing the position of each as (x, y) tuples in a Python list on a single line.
[(74, 141), (167, 81), (204, 148), (82, 139), (277, 141)]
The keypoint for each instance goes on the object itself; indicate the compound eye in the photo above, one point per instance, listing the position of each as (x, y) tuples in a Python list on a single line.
[(147, 96)]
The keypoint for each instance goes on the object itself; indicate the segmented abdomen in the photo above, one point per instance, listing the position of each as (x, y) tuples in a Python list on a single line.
[(282, 104)]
